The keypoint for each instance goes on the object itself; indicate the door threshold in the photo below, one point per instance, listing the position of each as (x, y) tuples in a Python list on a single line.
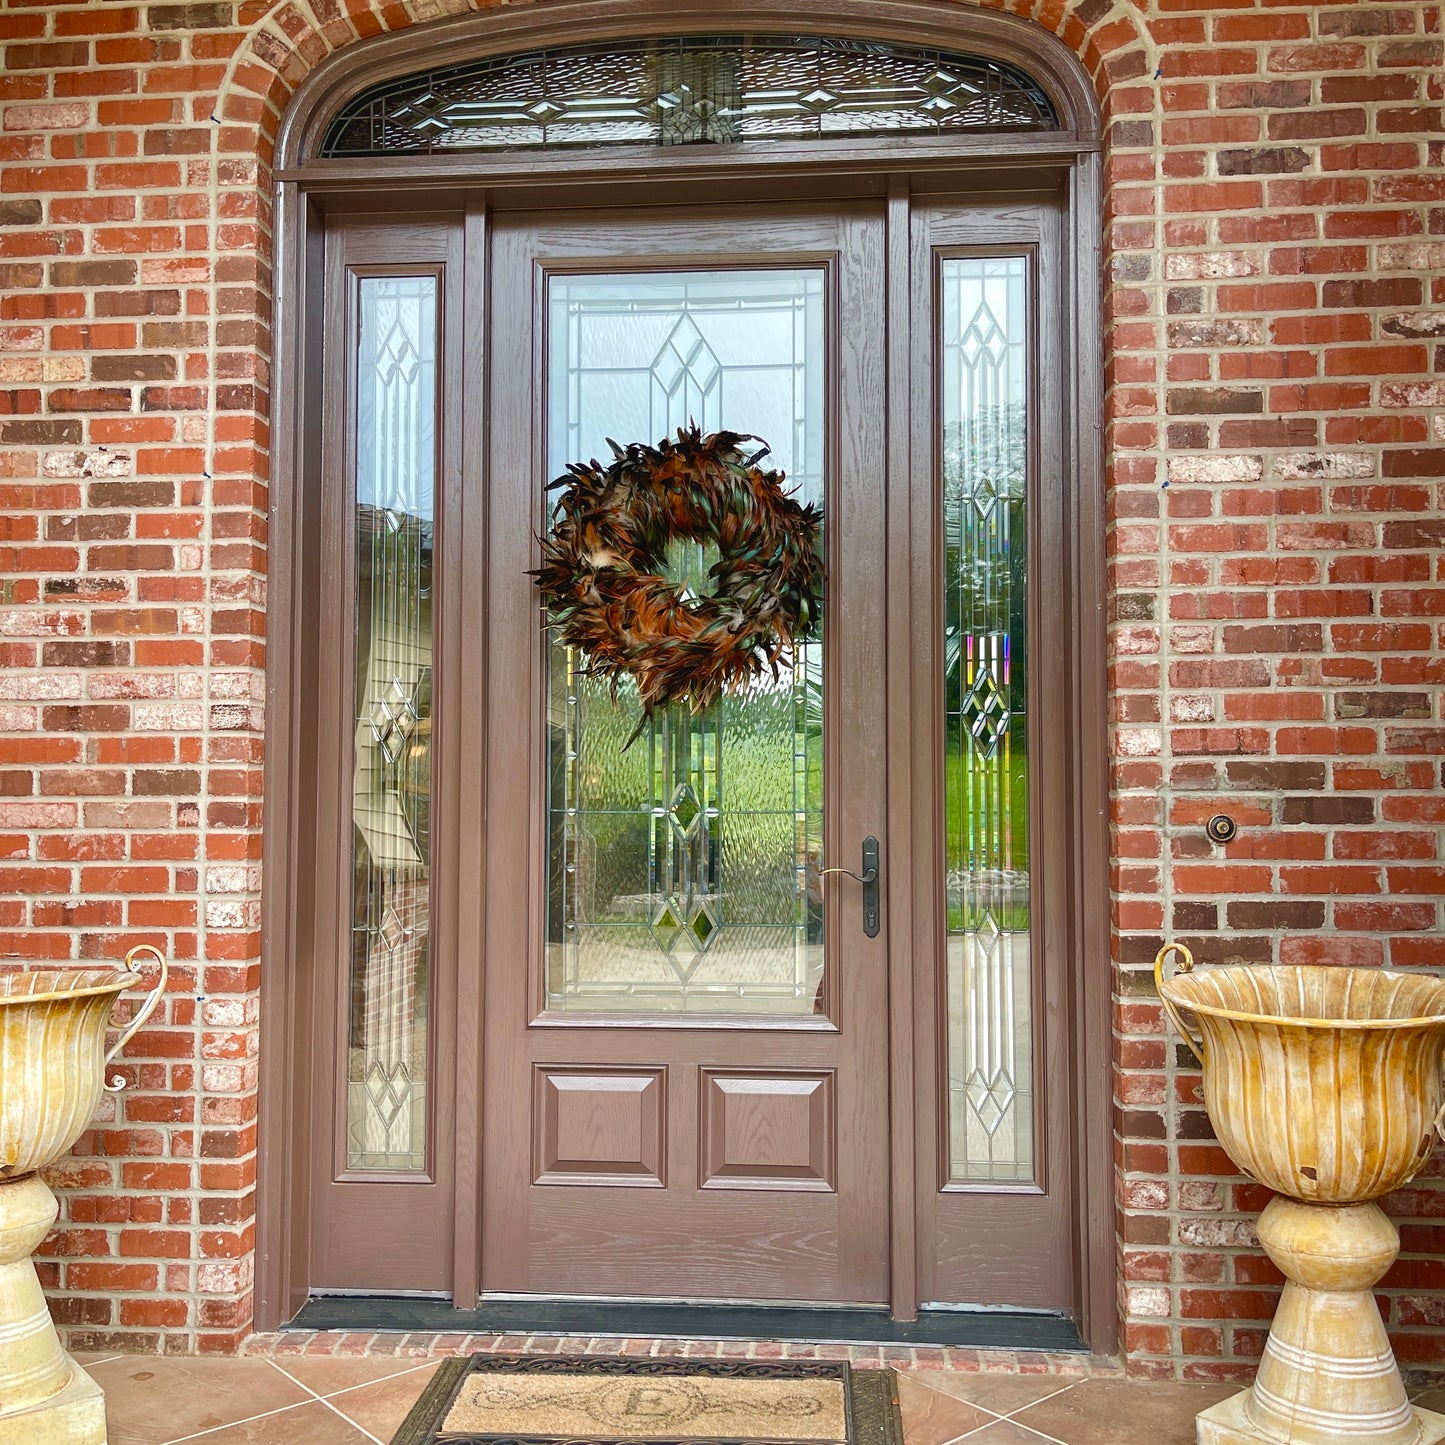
[(982, 1329)]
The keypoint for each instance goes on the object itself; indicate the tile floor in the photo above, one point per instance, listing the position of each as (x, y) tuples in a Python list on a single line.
[(338, 1401), (302, 1400)]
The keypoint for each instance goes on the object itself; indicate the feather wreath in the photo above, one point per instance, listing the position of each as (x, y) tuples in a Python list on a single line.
[(602, 573)]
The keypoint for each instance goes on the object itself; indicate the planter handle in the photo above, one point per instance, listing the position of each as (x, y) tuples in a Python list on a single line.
[(117, 1083), (1186, 964)]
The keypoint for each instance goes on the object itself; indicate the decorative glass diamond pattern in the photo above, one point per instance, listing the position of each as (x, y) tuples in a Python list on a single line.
[(685, 90), (684, 869), (985, 494), (985, 713)]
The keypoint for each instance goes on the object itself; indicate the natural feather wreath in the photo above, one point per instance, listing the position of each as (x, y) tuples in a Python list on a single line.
[(603, 564)]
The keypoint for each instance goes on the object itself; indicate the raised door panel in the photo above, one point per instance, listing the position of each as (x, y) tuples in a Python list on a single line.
[(767, 1130), (599, 1125)]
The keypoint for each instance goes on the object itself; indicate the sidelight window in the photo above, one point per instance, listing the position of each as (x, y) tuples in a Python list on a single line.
[(985, 489), (391, 781)]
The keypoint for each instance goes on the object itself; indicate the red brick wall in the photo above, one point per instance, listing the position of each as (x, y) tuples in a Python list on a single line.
[(1276, 432)]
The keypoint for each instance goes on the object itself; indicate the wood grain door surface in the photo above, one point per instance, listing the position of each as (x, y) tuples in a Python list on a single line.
[(678, 1149)]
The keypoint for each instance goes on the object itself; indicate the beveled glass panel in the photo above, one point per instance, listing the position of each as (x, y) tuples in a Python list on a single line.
[(684, 870), (391, 786), (984, 365), (679, 90)]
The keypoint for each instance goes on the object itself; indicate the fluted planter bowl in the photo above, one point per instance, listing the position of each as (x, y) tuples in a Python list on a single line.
[(1323, 1083), (52, 1059), (52, 1071)]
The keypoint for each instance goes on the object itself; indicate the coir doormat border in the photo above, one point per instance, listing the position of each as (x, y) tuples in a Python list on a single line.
[(870, 1396)]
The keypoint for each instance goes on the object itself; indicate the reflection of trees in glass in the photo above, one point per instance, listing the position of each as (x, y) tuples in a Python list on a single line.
[(985, 473), (987, 458)]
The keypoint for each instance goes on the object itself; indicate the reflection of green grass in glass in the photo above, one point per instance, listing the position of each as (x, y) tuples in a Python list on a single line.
[(756, 776), (956, 769)]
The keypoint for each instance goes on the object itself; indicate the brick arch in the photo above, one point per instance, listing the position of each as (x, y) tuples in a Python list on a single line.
[(288, 39)]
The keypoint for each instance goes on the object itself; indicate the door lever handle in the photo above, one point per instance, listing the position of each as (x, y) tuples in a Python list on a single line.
[(871, 876), (869, 879)]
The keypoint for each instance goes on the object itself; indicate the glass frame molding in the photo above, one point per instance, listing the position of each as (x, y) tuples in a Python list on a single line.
[(986, 365), (682, 908), (396, 395)]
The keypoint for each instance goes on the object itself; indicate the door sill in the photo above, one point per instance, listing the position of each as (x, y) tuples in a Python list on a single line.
[(983, 1329)]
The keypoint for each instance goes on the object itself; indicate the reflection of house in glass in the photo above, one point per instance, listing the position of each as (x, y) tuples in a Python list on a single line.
[(391, 814)]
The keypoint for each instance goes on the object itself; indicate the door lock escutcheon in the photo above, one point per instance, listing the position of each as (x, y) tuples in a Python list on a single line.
[(869, 879)]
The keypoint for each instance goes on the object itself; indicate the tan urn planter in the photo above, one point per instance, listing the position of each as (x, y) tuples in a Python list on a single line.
[(1324, 1084), (52, 1071)]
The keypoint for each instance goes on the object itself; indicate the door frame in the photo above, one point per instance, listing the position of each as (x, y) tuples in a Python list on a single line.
[(1068, 163)]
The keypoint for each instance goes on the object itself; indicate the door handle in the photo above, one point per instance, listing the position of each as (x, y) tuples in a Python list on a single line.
[(869, 879)]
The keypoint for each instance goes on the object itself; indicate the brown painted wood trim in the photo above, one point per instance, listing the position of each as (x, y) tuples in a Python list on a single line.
[(283, 1104), (471, 743), (594, 169), (285, 1108), (548, 22), (1089, 910), (902, 758)]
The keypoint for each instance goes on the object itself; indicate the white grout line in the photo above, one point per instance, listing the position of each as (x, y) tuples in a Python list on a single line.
[(365, 1384), (322, 1400), (231, 1424), (282, 1409), (1011, 1418), (347, 1418), (360, 1385), (381, 1379), (975, 1434)]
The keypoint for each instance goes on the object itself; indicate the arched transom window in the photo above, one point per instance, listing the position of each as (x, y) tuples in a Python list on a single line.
[(688, 90)]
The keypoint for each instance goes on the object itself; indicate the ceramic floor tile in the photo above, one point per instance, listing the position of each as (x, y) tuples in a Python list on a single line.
[(382, 1406), (1124, 1412), (931, 1417), (326, 1375), (313, 1424), (1006, 1432), (151, 1399), (1002, 1394)]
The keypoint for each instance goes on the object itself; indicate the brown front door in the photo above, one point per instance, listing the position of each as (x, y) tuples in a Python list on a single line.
[(685, 1050)]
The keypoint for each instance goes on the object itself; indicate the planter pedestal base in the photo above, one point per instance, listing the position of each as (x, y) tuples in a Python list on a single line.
[(1328, 1375), (75, 1416), (45, 1397), (1227, 1424)]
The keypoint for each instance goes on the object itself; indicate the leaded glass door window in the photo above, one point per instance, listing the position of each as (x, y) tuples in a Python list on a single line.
[(685, 868), (984, 425), (691, 89)]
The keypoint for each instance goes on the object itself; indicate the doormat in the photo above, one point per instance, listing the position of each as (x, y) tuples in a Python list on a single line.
[(594, 1400)]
